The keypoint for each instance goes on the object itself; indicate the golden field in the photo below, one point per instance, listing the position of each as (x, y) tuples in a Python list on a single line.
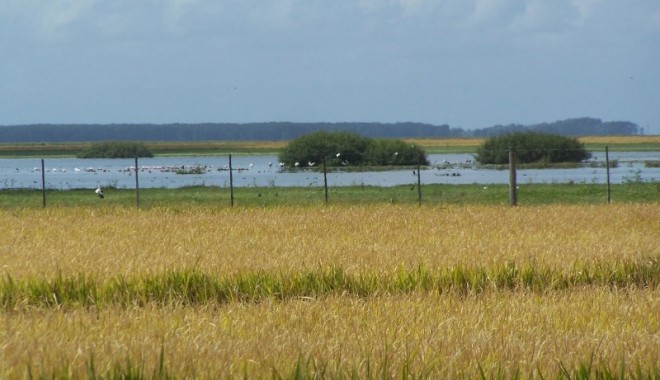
[(420, 332), (107, 242)]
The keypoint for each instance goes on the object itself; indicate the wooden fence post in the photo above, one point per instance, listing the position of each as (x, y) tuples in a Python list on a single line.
[(513, 191), (607, 165), (231, 183), (325, 179), (43, 184), (137, 184), (419, 183)]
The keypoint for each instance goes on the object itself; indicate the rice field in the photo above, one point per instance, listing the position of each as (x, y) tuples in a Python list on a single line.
[(368, 291)]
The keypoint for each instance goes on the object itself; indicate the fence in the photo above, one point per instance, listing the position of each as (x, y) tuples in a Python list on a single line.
[(331, 176)]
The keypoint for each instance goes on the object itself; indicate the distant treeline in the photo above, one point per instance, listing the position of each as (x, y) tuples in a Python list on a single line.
[(274, 131), (585, 126)]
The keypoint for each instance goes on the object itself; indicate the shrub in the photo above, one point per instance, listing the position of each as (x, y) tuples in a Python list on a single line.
[(384, 152), (115, 149), (531, 147), (348, 149)]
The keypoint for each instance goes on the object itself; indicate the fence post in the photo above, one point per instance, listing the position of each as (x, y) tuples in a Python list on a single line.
[(325, 179), (513, 191), (137, 185), (231, 183), (419, 183), (43, 184), (607, 165)]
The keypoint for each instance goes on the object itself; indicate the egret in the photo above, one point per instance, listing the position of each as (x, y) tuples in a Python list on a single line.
[(99, 192)]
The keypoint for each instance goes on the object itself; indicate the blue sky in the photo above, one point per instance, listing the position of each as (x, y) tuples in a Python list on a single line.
[(466, 63)]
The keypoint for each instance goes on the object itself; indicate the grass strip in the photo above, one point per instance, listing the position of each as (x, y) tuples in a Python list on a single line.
[(528, 194), (194, 287)]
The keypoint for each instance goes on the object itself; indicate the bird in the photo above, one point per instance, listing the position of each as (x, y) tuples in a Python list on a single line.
[(99, 192)]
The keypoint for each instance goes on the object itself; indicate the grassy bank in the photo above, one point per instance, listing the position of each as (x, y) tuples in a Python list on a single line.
[(436, 194), (451, 145)]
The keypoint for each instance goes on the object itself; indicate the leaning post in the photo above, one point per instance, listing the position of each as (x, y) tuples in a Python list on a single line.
[(513, 191)]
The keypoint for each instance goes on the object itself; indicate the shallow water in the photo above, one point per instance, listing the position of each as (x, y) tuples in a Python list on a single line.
[(263, 170)]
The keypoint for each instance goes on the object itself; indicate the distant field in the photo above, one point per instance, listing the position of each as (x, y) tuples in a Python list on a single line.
[(450, 145), (351, 291)]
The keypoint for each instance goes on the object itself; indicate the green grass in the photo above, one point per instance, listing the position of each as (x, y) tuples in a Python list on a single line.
[(623, 147), (194, 287), (528, 194)]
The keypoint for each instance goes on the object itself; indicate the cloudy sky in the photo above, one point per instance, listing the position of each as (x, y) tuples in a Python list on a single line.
[(466, 63)]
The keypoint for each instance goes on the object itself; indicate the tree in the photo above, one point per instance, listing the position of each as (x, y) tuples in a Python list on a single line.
[(115, 149), (531, 147), (348, 149)]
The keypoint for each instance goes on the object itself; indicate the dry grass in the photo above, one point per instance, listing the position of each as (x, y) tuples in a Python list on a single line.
[(420, 332), (620, 139), (428, 334), (105, 243), (220, 145)]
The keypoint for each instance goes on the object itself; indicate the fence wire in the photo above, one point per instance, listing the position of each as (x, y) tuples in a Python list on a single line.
[(328, 176)]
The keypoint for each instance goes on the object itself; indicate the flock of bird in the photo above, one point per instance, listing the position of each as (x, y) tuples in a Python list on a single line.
[(207, 168)]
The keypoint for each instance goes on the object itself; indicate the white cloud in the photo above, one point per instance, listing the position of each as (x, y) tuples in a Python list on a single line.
[(585, 8), (544, 16), (275, 13), (496, 12), (174, 10), (46, 18), (411, 7)]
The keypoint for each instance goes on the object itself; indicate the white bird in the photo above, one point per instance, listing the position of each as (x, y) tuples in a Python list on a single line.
[(99, 192), (310, 163), (297, 164), (338, 154)]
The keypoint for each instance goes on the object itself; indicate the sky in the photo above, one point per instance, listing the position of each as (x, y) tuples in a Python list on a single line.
[(466, 63)]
